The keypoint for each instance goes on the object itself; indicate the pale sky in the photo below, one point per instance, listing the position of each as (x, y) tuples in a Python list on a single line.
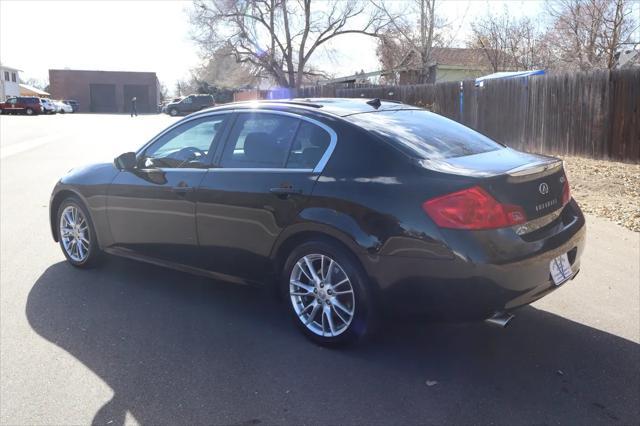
[(154, 36)]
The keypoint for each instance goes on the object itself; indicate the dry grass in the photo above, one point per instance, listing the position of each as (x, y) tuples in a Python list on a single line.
[(607, 189)]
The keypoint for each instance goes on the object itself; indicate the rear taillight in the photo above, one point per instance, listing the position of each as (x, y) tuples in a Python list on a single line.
[(472, 208), (566, 192)]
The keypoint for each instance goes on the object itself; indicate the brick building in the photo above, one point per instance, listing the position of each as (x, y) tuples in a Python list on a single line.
[(106, 91)]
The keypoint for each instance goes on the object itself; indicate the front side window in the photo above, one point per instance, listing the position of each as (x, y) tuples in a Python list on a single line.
[(184, 146), (260, 140), (6, 75), (425, 135), (187, 100), (13, 77)]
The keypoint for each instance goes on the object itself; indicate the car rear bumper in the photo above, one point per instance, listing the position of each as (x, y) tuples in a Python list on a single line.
[(484, 274)]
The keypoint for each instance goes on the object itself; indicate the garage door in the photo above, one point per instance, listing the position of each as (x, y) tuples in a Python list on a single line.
[(141, 93), (103, 98)]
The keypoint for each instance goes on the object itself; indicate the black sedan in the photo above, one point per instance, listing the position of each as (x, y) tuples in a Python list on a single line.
[(348, 207)]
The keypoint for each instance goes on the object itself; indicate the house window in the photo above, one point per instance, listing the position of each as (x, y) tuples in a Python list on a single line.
[(13, 77), (6, 75)]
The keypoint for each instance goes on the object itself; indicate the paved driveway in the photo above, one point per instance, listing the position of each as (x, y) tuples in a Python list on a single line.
[(134, 343)]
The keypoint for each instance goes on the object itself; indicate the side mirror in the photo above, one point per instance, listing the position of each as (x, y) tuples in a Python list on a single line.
[(126, 161)]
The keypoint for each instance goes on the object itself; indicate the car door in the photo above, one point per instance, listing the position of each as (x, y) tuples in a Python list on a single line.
[(265, 171), (187, 104), (152, 209), (12, 104)]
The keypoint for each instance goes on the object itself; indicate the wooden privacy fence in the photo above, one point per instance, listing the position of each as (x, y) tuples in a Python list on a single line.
[(594, 114)]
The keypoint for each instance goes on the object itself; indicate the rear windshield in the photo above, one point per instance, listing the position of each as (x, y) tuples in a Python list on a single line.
[(425, 135)]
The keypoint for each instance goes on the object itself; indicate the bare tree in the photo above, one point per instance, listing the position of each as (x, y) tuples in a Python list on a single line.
[(279, 37), (403, 38), (391, 51), (222, 70), (509, 43), (587, 34)]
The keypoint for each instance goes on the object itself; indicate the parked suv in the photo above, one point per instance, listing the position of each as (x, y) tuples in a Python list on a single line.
[(190, 104), (21, 105)]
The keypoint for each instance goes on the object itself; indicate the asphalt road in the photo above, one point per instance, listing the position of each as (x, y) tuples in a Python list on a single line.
[(137, 344)]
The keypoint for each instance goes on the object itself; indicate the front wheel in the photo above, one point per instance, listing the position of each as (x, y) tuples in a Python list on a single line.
[(173, 112), (327, 294), (76, 234), (29, 111)]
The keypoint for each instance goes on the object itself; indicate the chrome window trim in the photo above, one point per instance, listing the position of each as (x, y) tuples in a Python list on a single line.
[(319, 168), (258, 169)]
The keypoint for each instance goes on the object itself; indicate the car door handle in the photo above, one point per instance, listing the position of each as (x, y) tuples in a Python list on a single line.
[(183, 189), (284, 191)]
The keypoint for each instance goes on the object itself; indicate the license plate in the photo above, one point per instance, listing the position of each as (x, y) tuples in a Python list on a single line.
[(560, 269)]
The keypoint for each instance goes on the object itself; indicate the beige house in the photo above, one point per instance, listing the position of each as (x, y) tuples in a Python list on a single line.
[(449, 64), (26, 90)]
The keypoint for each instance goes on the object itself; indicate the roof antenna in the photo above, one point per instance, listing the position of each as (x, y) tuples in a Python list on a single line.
[(375, 102)]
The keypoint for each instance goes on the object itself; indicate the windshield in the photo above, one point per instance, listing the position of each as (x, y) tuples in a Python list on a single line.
[(425, 135)]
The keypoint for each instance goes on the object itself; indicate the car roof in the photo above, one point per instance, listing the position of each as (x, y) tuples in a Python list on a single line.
[(341, 107)]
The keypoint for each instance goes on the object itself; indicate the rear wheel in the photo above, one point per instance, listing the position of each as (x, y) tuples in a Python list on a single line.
[(326, 294), (76, 234)]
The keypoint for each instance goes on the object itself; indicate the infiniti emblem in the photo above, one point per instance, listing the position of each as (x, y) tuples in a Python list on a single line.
[(543, 188)]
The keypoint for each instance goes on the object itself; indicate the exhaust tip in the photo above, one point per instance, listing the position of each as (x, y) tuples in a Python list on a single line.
[(500, 319)]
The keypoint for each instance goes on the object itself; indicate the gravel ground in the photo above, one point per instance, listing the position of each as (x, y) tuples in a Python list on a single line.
[(607, 189)]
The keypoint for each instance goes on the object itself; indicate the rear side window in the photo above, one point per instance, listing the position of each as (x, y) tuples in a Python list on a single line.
[(425, 135), (308, 147), (259, 140)]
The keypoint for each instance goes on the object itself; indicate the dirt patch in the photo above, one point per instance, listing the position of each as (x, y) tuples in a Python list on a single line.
[(607, 189)]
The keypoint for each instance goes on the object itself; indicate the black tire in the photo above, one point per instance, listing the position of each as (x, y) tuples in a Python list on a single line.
[(94, 253), (173, 112), (364, 319)]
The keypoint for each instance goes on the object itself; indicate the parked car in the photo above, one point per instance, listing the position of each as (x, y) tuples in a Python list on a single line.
[(347, 207), (48, 107), (29, 105), (62, 108), (189, 104), (74, 104)]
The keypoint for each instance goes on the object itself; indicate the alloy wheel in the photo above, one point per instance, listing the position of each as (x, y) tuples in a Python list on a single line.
[(322, 295), (74, 233)]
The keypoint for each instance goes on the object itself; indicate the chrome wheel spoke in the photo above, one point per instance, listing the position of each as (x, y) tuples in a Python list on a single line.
[(343, 308), (338, 315), (312, 270), (326, 311), (314, 311), (330, 268), (345, 281), (307, 287)]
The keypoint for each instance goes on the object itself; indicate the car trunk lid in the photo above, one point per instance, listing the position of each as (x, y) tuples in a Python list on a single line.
[(533, 182)]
